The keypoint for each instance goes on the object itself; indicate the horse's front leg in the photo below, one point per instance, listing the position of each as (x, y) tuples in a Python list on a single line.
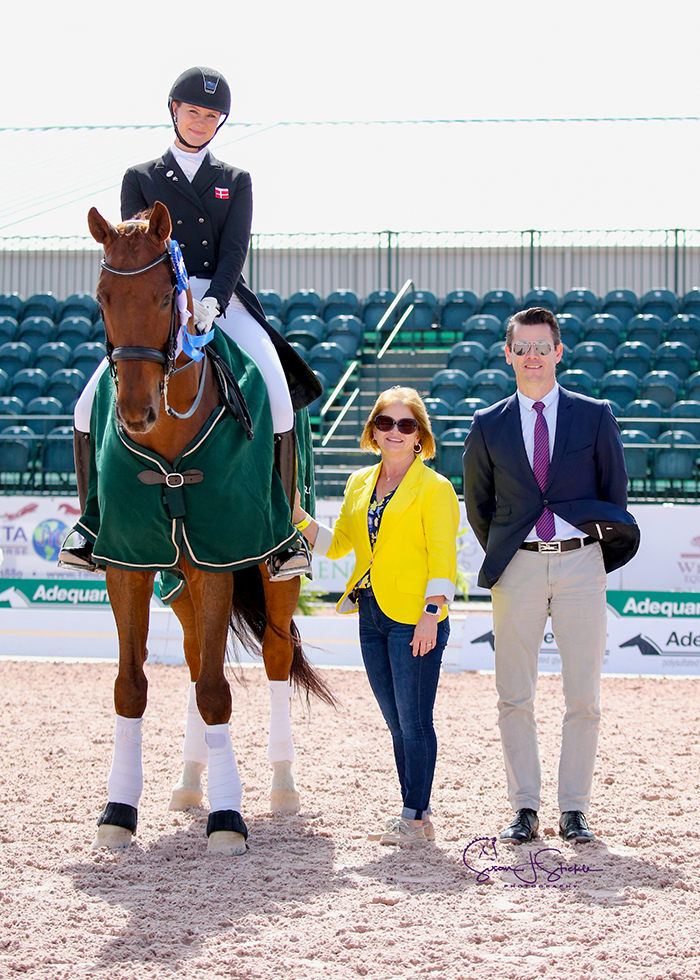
[(129, 595), (188, 791), (212, 596), (281, 599)]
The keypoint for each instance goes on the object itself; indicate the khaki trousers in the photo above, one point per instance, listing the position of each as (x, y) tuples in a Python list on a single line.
[(571, 588)]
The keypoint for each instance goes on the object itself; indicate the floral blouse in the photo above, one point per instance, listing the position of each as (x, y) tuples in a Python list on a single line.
[(374, 519)]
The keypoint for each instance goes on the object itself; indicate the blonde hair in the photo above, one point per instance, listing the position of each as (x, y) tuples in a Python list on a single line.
[(411, 399)]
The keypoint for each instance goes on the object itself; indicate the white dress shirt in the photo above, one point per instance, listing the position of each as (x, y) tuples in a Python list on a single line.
[(528, 416)]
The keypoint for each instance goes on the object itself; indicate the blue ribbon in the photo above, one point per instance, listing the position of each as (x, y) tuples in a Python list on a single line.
[(191, 342), (179, 267)]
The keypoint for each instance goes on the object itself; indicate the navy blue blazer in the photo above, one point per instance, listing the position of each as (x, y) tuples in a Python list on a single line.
[(587, 483)]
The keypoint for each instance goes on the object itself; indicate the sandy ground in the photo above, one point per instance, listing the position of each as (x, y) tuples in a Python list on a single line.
[(313, 897)]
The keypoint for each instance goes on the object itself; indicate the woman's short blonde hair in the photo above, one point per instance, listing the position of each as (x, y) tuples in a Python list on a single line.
[(412, 400)]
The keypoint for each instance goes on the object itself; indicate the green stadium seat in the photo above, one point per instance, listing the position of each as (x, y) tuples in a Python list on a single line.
[(57, 454), (496, 357), (689, 304), (66, 385), (622, 303), (52, 356), (662, 386), (590, 356), (604, 328), (305, 302), (467, 406), (345, 324), (86, 357), (11, 305), (29, 383), (467, 355), (684, 410), (306, 330), (647, 409), (40, 304), (14, 356), (579, 381), (271, 302), (571, 328), (4, 381), (674, 356), (542, 297), (11, 406), (43, 406), (8, 329), (437, 407), (376, 306), (450, 385), (647, 328), (17, 448), (486, 329), (581, 302), (500, 303), (425, 310), (633, 355), (459, 305), (620, 386), (35, 331), (450, 451), (661, 302), (636, 455), (341, 302), (98, 331), (685, 327), (492, 385), (328, 358), (73, 330), (675, 463), (80, 304)]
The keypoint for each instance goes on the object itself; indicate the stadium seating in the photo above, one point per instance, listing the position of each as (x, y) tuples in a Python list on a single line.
[(571, 328), (450, 451), (73, 330), (491, 385), (341, 302), (689, 304), (4, 381), (496, 357), (622, 303), (645, 408), (636, 459), (14, 356), (450, 385), (686, 409), (86, 357), (581, 302), (17, 445), (674, 463), (306, 330), (674, 356), (435, 407), (41, 304), (10, 405), (425, 310), (8, 329), (11, 305), (647, 328), (271, 302), (29, 383), (604, 328), (57, 454), (35, 331), (485, 329), (65, 385), (500, 303), (376, 306), (468, 356), (459, 305), (685, 327), (347, 331), (305, 302), (579, 381), (52, 356), (43, 406), (633, 355), (661, 302), (328, 358), (590, 356), (661, 386), (621, 386), (318, 403), (692, 386), (544, 298), (467, 406), (80, 304)]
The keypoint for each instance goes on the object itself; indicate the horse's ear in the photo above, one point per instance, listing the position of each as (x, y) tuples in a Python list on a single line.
[(101, 229), (159, 224)]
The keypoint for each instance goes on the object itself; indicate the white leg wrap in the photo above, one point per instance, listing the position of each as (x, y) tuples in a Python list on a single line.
[(280, 747), (195, 748), (224, 787), (125, 781)]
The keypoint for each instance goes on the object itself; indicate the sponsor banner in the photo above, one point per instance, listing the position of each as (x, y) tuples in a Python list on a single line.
[(26, 593), (32, 530), (671, 605), (636, 644)]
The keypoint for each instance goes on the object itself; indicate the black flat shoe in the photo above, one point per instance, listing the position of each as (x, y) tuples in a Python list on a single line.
[(78, 557), (573, 827), (523, 829)]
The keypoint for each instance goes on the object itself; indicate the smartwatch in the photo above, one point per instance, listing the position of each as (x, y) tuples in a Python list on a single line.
[(431, 609)]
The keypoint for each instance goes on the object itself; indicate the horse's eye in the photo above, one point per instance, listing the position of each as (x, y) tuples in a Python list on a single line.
[(166, 301)]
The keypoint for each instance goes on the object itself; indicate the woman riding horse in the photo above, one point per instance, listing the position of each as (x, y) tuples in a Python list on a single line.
[(211, 206)]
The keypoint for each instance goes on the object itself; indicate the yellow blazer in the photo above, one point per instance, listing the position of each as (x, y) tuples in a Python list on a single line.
[(416, 544)]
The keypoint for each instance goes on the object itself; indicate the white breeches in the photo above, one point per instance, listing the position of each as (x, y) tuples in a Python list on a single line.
[(240, 326)]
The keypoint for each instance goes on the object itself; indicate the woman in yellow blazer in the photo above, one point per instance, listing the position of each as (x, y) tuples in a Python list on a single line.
[(401, 520)]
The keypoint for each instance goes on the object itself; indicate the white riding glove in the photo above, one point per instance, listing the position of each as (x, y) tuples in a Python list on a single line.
[(205, 312)]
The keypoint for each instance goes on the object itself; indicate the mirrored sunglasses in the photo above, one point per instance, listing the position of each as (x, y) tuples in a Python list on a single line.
[(522, 347), (385, 423)]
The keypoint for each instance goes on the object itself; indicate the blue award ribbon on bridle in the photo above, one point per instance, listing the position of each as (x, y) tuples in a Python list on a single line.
[(190, 343)]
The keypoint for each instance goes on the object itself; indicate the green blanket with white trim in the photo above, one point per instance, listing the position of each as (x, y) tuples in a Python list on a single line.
[(235, 516)]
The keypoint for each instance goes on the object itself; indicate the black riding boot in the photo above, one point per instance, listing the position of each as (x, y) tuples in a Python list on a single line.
[(79, 556), (295, 560)]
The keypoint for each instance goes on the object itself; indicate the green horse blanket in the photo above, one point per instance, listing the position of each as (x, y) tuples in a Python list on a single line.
[(221, 503)]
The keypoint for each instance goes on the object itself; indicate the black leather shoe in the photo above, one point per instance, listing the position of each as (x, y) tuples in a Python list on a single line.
[(78, 557), (573, 827), (523, 828)]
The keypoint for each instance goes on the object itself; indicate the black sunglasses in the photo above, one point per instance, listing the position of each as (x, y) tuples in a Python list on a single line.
[(522, 347), (385, 423)]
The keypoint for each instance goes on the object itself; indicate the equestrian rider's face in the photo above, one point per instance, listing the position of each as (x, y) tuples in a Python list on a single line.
[(535, 373), (196, 124)]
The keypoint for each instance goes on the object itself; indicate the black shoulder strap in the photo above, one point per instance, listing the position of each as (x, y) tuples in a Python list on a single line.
[(231, 394)]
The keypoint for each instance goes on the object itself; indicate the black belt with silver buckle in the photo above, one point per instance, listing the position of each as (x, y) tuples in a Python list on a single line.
[(557, 547)]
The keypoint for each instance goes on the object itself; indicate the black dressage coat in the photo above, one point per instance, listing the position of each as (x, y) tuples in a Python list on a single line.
[(211, 222), (586, 485)]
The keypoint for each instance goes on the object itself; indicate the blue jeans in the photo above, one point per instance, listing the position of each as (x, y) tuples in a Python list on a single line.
[(405, 688)]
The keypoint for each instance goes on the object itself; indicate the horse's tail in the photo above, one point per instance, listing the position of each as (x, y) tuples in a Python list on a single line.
[(248, 624)]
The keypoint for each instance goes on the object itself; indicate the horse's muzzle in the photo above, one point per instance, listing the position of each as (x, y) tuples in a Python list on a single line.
[(137, 424)]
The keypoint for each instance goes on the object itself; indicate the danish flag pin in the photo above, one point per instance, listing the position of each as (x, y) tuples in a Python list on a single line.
[(221, 193)]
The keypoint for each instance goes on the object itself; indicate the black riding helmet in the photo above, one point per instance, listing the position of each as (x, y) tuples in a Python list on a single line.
[(203, 87)]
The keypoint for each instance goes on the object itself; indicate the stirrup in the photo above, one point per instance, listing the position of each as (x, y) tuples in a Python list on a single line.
[(287, 564), (79, 557)]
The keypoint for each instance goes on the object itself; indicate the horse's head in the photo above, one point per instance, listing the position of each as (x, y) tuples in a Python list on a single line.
[(137, 310)]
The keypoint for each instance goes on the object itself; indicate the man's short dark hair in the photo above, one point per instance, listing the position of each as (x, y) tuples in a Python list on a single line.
[(536, 314)]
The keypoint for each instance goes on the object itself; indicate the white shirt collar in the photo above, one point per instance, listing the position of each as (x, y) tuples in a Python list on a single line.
[(551, 398)]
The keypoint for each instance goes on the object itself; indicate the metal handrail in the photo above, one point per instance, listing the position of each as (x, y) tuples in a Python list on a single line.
[(341, 415), (338, 388)]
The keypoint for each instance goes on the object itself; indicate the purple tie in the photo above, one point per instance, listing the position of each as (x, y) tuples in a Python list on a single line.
[(540, 466)]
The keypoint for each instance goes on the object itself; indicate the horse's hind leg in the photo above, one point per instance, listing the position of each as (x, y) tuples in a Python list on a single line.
[(187, 791), (281, 600), (129, 595)]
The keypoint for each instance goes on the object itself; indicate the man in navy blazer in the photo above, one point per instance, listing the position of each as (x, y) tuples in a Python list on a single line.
[(546, 491)]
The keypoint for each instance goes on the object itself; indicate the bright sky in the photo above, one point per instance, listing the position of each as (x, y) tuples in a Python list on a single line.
[(80, 63)]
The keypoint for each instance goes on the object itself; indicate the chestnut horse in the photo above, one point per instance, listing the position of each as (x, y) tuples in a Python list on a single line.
[(137, 298)]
